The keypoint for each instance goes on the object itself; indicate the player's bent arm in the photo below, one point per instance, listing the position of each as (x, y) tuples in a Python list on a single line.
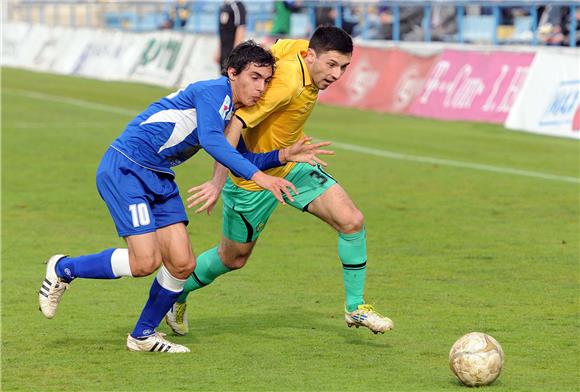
[(212, 139), (207, 194), (224, 153), (263, 161), (301, 151), (210, 131)]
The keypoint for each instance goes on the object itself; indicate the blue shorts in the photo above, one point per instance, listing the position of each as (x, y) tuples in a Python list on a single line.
[(140, 200)]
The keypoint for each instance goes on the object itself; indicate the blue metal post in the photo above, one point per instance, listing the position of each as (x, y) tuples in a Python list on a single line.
[(365, 29), (55, 15), (197, 10), (88, 9), (396, 23), (312, 16), (177, 23), (534, 14), (426, 23), (460, 17), (338, 21), (42, 13), (496, 16), (72, 18), (572, 34)]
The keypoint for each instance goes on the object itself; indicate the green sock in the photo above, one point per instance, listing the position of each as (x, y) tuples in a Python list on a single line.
[(352, 251), (208, 267)]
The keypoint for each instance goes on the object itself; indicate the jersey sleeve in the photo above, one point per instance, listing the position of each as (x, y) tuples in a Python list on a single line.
[(242, 9), (264, 160), (278, 94), (210, 130)]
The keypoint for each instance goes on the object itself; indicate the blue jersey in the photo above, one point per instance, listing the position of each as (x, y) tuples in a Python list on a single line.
[(174, 128)]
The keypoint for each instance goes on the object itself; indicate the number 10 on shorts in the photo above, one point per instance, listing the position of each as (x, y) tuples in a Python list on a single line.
[(139, 214)]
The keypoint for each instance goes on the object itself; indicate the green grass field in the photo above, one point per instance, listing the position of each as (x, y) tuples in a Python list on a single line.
[(451, 250)]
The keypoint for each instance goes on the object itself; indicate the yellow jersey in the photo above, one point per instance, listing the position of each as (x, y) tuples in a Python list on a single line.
[(277, 120)]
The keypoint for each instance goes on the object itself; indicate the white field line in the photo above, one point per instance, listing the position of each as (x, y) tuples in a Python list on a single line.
[(43, 125), (344, 146), (447, 162), (71, 101)]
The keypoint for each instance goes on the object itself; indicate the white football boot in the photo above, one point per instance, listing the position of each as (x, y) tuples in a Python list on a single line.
[(176, 318), (366, 316), (52, 288), (155, 343)]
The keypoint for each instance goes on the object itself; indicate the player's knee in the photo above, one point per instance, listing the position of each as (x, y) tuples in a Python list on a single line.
[(237, 260), (354, 223), (183, 267), (146, 265)]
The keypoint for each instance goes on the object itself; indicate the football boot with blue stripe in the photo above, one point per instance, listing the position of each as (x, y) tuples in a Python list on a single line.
[(366, 316)]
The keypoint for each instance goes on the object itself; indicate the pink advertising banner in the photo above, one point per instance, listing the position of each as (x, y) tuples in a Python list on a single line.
[(385, 80), (478, 86)]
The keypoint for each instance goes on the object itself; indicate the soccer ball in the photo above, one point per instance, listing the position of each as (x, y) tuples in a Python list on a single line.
[(476, 359)]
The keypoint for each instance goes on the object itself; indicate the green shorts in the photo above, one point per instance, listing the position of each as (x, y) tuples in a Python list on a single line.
[(245, 213)]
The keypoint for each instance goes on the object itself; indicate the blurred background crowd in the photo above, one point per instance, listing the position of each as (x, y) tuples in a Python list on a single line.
[(518, 22)]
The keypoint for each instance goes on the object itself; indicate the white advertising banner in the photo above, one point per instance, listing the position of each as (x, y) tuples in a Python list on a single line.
[(13, 37), (71, 44), (31, 53), (110, 55), (549, 102), (55, 41), (162, 59), (201, 64)]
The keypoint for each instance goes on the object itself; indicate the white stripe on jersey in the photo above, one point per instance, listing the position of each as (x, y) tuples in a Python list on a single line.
[(185, 123), (237, 17)]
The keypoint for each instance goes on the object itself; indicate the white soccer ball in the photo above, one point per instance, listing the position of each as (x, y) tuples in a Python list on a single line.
[(476, 359)]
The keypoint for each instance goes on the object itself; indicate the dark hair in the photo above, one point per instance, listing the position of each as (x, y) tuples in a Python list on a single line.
[(327, 38), (246, 53)]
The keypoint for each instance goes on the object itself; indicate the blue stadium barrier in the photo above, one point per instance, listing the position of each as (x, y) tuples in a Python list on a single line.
[(478, 28)]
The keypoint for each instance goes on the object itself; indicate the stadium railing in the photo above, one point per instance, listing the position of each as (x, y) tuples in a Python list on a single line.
[(201, 17)]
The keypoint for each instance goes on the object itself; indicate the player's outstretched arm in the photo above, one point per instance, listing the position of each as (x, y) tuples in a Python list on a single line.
[(305, 151), (209, 192), (279, 187)]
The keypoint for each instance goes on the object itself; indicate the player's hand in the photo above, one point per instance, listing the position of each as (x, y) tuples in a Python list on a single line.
[(207, 193), (278, 186), (304, 151)]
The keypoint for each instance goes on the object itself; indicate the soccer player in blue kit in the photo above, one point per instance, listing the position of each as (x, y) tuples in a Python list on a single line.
[(136, 182)]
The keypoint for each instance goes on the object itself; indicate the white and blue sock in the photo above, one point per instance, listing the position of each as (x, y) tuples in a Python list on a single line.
[(163, 293), (109, 264)]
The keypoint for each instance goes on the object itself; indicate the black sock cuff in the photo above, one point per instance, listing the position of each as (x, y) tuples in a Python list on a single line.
[(360, 266)]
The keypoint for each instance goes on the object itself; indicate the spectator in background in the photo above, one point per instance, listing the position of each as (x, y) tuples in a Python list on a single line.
[(325, 16), (443, 22), (328, 16), (554, 26), (178, 14), (349, 19), (410, 28), (282, 17), (411, 20), (509, 14), (378, 25), (232, 28)]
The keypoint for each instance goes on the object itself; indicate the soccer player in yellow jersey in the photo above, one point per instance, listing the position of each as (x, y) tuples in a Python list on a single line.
[(276, 122)]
